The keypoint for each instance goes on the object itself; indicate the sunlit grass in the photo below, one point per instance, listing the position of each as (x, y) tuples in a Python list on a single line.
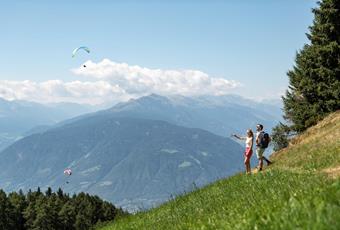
[(272, 200), (292, 194)]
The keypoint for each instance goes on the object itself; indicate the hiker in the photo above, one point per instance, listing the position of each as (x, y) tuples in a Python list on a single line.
[(249, 148), (262, 141)]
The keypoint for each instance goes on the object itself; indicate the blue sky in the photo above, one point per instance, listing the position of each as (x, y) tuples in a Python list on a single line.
[(251, 42)]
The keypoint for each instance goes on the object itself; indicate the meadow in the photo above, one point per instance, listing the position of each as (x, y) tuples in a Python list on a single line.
[(301, 190)]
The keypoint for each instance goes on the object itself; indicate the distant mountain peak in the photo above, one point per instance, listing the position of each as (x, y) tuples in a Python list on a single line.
[(120, 158)]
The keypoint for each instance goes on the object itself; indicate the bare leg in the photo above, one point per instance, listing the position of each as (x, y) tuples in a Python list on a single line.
[(248, 167), (246, 164), (260, 164)]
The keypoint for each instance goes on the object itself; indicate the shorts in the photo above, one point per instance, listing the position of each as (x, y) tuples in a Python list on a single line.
[(259, 152), (247, 154)]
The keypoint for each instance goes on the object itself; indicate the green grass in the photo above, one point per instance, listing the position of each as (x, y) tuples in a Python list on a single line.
[(293, 194)]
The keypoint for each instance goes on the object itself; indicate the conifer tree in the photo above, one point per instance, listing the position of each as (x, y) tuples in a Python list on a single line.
[(46, 214), (19, 204), (314, 81), (48, 192), (6, 212), (82, 221), (60, 194), (52, 210), (30, 215), (280, 136), (67, 216)]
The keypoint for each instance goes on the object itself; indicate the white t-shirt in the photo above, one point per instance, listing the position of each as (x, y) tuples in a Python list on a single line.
[(249, 142)]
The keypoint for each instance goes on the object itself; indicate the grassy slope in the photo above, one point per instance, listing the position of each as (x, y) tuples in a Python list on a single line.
[(295, 193)]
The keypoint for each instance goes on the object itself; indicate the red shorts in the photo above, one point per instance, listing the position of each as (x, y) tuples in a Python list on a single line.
[(247, 154)]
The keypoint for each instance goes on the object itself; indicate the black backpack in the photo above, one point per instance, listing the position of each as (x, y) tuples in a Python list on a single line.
[(265, 140)]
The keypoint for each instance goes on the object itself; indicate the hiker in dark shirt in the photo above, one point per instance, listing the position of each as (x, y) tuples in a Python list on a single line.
[(262, 140)]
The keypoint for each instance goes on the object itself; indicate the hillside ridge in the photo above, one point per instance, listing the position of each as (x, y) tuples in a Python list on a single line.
[(319, 145), (292, 193)]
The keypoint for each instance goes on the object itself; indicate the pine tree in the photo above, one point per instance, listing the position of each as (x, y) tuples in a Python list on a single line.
[(108, 211), (48, 192), (280, 136), (7, 220), (67, 216), (61, 194), (82, 221), (314, 89), (30, 215), (19, 203), (84, 218), (46, 214), (51, 210)]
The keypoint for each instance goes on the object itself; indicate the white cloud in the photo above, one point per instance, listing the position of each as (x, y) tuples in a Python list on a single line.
[(58, 91), (114, 82), (139, 80)]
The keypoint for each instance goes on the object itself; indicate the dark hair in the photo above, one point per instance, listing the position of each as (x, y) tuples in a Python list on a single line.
[(261, 126)]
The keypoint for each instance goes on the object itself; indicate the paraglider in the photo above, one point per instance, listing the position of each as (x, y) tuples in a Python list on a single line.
[(67, 172), (75, 51)]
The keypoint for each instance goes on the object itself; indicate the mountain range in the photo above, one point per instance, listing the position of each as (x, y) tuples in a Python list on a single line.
[(221, 115), (139, 153), (131, 162), (21, 118)]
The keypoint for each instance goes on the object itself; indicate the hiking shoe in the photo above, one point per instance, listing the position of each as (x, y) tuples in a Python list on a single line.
[(269, 163)]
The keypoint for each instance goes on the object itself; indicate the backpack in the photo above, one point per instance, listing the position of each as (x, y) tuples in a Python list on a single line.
[(265, 140)]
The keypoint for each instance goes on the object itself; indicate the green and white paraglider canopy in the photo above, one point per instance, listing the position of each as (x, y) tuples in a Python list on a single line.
[(75, 51)]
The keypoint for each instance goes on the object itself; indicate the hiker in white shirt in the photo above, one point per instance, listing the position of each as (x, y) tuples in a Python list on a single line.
[(249, 148)]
